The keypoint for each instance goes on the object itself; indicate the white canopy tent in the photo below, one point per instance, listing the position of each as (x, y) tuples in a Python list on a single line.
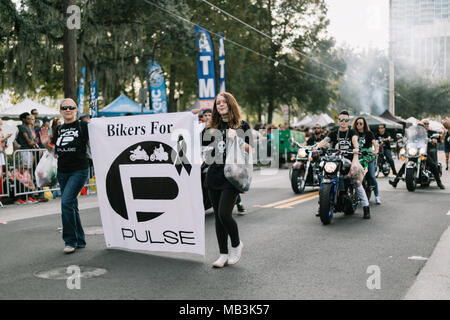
[(436, 126), (309, 121), (26, 106), (412, 120)]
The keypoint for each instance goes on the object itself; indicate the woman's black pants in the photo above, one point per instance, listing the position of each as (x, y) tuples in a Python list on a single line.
[(223, 202)]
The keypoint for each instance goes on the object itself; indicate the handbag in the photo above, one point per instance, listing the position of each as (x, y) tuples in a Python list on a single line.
[(238, 167)]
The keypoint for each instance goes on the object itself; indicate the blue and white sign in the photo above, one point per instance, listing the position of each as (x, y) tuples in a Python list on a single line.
[(157, 87), (81, 91), (93, 105), (222, 63), (205, 66)]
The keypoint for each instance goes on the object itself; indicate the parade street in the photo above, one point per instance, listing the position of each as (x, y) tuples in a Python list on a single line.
[(288, 253)]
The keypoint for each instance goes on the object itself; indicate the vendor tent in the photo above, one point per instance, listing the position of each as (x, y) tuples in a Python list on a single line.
[(309, 121), (374, 121), (121, 107), (412, 120), (388, 115), (436, 126), (26, 106)]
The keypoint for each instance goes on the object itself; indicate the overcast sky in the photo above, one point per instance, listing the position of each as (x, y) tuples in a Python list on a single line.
[(359, 23)]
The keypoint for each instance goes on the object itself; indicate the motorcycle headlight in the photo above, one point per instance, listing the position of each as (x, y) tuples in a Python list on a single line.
[(302, 153), (330, 167), (422, 150), (412, 151), (402, 151)]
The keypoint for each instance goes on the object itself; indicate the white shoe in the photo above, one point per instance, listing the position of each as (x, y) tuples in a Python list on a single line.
[(221, 262), (68, 249), (235, 254), (377, 200)]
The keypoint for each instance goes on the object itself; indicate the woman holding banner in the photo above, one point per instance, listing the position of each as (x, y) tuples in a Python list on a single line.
[(220, 129), (70, 142)]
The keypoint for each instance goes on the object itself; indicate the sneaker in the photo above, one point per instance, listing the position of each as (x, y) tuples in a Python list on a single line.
[(31, 200), (221, 262), (19, 201), (235, 254), (42, 200), (377, 200), (440, 185), (69, 249), (241, 209)]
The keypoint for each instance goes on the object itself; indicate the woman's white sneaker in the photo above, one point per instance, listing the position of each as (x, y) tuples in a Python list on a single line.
[(68, 249), (221, 262), (235, 254)]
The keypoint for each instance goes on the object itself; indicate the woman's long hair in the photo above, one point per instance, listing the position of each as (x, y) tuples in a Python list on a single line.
[(366, 126), (234, 113)]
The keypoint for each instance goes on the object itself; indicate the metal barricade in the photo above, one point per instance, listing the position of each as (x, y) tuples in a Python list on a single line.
[(23, 174), (4, 191)]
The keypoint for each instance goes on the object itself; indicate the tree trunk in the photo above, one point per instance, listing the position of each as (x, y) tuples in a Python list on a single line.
[(172, 107), (70, 59)]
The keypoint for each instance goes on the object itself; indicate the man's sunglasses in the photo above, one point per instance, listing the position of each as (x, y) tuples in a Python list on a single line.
[(67, 108), (344, 120)]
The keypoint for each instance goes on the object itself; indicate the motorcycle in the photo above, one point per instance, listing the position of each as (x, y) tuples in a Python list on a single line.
[(416, 152), (139, 154), (337, 190), (382, 165), (159, 154), (305, 171)]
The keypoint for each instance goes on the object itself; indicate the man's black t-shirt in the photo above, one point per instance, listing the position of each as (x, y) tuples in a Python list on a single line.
[(313, 140), (386, 144), (365, 139), (342, 139), (70, 141), (215, 178)]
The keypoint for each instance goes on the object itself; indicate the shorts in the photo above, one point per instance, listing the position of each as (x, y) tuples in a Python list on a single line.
[(446, 148), (26, 158)]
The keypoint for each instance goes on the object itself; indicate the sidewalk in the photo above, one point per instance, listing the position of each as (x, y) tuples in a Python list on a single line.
[(25, 211), (433, 281)]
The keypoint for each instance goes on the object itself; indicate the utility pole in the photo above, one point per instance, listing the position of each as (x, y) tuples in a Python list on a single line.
[(70, 56), (391, 66)]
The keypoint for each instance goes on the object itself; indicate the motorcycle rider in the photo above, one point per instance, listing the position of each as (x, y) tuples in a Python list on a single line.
[(386, 145), (366, 140), (317, 135), (346, 139), (431, 164)]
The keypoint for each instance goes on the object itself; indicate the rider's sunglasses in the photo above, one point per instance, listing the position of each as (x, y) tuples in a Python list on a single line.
[(344, 120), (360, 123), (67, 108), (317, 128)]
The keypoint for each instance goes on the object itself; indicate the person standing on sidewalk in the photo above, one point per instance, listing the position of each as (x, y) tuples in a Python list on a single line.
[(70, 141), (225, 120)]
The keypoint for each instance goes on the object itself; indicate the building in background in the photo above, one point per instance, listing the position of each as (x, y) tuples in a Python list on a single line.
[(420, 35)]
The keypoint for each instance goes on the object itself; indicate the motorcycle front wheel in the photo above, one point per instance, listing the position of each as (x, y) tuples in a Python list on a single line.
[(297, 181), (325, 207), (410, 180)]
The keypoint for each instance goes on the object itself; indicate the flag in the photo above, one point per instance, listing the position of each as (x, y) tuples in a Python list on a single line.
[(157, 87), (205, 68)]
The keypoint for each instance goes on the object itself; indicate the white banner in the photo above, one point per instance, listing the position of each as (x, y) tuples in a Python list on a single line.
[(147, 170)]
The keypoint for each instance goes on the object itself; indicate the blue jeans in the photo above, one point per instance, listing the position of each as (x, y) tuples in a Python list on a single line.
[(388, 154), (371, 174), (71, 184)]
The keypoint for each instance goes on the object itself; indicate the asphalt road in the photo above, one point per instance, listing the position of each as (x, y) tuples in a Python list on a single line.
[(288, 253)]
